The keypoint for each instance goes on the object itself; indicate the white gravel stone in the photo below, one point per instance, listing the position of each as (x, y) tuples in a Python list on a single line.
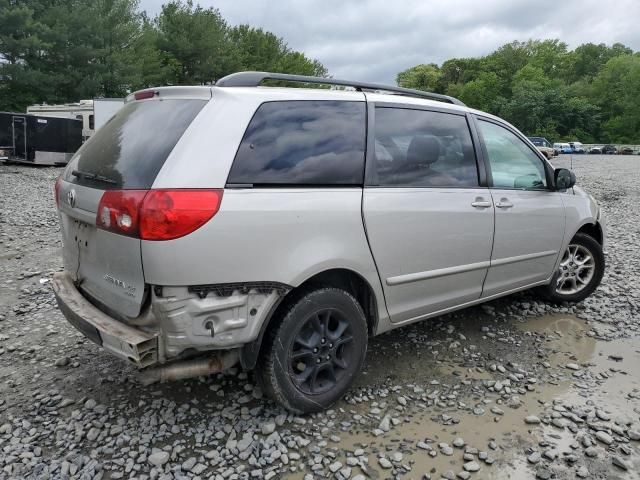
[(604, 437), (158, 458)]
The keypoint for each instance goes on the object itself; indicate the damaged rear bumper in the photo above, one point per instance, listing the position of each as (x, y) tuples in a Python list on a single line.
[(181, 322), (124, 341)]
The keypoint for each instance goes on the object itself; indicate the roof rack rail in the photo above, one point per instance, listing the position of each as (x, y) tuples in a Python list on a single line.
[(254, 79)]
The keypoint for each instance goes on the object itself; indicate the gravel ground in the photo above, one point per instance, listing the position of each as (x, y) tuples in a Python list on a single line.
[(511, 389)]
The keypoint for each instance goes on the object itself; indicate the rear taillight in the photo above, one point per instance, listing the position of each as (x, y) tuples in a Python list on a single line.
[(168, 214), (119, 211), (56, 191), (157, 214)]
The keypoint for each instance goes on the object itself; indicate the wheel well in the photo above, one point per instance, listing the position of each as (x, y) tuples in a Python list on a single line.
[(593, 230), (353, 283), (344, 279)]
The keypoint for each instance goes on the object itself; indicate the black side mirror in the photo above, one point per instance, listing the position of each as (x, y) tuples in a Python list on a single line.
[(564, 178)]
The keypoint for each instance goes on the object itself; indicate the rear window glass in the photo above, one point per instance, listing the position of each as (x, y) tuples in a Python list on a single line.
[(129, 150), (302, 143)]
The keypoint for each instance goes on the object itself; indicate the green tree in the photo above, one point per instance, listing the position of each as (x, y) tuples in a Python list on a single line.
[(263, 51), (20, 46), (422, 77), (617, 89), (197, 42), (589, 94), (483, 93)]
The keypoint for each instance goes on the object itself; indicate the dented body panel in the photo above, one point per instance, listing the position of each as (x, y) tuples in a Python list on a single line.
[(186, 321)]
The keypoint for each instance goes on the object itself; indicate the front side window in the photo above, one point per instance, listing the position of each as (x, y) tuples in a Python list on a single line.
[(418, 148), (303, 142), (513, 163)]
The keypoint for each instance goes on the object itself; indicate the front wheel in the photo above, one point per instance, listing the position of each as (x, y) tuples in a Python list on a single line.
[(580, 271), (312, 356)]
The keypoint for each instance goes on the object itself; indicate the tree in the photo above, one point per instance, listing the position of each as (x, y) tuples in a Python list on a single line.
[(589, 94), (263, 51), (66, 50), (422, 77), (617, 88), (197, 41), (483, 93), (20, 44)]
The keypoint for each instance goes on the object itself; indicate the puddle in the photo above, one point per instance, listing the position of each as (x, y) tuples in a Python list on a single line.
[(614, 372)]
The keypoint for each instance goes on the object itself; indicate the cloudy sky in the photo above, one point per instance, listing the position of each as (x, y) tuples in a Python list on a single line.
[(372, 40)]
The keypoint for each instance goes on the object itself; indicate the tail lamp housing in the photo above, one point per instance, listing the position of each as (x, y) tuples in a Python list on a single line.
[(160, 214)]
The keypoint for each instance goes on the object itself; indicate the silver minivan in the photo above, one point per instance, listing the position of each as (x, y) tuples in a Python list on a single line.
[(279, 227)]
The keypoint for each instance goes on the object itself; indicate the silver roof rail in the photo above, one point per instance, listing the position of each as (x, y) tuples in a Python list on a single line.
[(254, 79)]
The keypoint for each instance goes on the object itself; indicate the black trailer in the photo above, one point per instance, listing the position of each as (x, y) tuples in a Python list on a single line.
[(39, 140)]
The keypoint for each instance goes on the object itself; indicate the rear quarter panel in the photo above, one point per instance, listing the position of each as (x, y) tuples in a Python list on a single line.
[(282, 235)]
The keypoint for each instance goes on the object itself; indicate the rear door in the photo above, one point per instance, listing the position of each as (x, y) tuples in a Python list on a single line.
[(428, 216), (20, 137), (125, 154), (530, 217)]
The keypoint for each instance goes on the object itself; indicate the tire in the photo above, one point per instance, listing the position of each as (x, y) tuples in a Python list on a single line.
[(580, 282), (326, 330)]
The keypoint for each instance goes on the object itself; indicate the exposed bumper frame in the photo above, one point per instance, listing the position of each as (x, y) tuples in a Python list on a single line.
[(132, 344)]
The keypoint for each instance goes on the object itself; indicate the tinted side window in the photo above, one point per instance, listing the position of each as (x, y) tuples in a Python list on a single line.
[(303, 143), (513, 163), (416, 148)]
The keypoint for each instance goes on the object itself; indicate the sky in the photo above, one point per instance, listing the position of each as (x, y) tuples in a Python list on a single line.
[(373, 40)]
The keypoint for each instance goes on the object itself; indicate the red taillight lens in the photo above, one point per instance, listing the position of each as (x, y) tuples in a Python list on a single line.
[(56, 191), (157, 214), (169, 214), (119, 211)]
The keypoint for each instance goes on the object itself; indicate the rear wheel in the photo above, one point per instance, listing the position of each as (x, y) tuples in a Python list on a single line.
[(579, 273), (312, 356)]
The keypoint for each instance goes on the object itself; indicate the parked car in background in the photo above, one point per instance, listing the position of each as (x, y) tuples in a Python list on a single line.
[(242, 227), (561, 147), (609, 150), (577, 147), (625, 151), (544, 146), (595, 150)]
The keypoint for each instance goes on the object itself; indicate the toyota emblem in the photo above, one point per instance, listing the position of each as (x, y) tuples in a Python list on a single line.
[(71, 198)]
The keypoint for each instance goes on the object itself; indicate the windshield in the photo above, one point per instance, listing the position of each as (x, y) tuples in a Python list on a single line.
[(129, 150)]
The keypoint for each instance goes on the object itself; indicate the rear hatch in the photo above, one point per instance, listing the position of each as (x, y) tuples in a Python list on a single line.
[(126, 155)]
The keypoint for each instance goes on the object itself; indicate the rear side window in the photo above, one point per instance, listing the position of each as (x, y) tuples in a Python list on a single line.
[(304, 142), (129, 150), (418, 148)]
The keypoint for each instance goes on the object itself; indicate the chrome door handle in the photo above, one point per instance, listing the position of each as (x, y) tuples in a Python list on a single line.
[(481, 204), (504, 203)]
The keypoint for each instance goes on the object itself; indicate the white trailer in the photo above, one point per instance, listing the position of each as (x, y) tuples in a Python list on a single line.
[(104, 109), (82, 110), (93, 113)]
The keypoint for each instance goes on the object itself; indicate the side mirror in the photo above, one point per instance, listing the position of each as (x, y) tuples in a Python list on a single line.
[(564, 178)]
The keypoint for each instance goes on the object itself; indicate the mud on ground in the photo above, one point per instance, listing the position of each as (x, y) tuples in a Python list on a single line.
[(513, 389)]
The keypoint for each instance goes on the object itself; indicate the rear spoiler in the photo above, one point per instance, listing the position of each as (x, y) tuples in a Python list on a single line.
[(188, 92)]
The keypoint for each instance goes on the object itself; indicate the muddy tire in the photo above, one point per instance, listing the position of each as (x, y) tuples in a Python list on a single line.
[(312, 355), (580, 271)]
